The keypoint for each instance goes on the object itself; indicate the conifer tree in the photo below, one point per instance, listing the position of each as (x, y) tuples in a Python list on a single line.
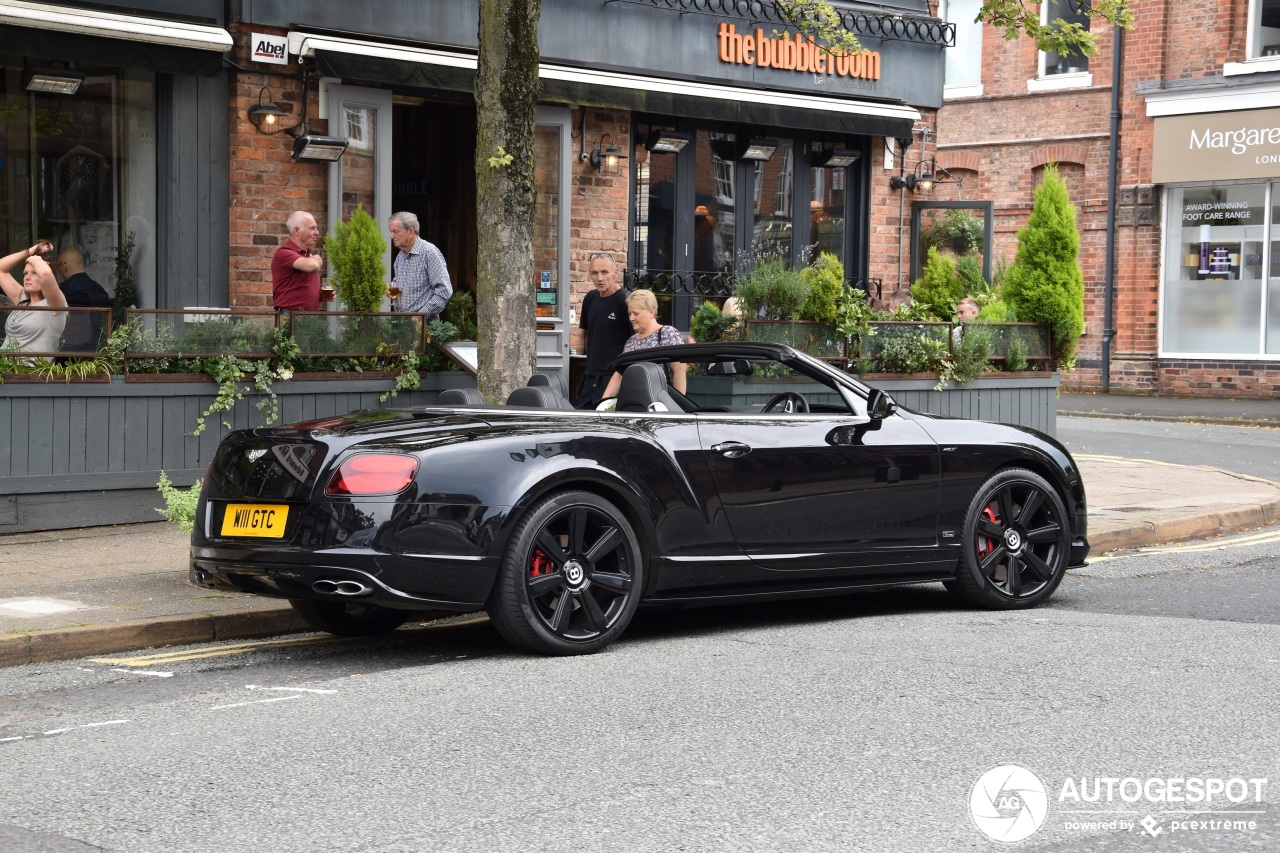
[(1044, 283), (938, 287)]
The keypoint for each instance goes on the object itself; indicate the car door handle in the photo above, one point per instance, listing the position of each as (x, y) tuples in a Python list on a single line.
[(732, 449)]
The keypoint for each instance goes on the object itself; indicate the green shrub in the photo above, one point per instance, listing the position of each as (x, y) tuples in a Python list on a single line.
[(356, 271), (997, 311), (972, 284), (972, 356), (772, 291), (1015, 353), (938, 288), (709, 323), (825, 278), (1044, 284), (461, 312)]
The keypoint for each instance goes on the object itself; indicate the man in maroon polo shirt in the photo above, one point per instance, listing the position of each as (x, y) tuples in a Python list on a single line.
[(295, 269)]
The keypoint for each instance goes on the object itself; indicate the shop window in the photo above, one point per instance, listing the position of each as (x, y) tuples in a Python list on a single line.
[(827, 205), (80, 169), (653, 236), (1214, 268), (713, 200), (964, 61), (772, 233)]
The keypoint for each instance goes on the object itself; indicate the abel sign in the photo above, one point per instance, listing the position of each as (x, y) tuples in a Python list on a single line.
[(1216, 146)]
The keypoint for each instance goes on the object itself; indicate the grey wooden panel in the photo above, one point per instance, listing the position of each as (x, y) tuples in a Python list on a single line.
[(6, 447), (21, 434), (60, 433)]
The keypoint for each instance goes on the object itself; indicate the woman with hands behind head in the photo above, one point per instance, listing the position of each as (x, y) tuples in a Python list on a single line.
[(33, 331)]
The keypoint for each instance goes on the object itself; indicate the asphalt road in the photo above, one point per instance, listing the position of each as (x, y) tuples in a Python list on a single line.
[(853, 723), (1243, 450)]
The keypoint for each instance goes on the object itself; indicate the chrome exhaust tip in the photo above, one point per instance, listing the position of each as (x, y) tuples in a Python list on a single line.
[(348, 588)]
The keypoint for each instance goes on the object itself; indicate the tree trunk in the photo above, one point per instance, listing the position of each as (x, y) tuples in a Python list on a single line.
[(507, 89)]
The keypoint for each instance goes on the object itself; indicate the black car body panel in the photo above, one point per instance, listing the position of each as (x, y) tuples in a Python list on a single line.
[(724, 502)]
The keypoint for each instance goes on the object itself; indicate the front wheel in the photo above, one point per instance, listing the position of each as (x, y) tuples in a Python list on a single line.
[(571, 578), (1016, 543), (349, 620)]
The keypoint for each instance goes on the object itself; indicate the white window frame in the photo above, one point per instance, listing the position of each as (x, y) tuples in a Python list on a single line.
[(1255, 62), (969, 89), (782, 195), (355, 122), (1046, 82)]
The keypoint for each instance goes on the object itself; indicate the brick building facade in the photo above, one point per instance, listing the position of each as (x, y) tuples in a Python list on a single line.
[(1010, 109)]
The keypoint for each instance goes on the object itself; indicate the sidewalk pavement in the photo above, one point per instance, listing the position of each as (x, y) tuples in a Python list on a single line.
[(98, 590)]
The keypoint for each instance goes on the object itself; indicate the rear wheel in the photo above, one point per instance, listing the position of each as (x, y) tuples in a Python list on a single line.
[(349, 620), (571, 578), (1016, 543)]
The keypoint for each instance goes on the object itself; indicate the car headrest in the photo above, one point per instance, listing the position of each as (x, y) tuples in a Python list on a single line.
[(644, 389), (556, 382), (460, 397), (534, 397)]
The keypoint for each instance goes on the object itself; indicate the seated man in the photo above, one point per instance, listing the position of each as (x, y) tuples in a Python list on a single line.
[(84, 329)]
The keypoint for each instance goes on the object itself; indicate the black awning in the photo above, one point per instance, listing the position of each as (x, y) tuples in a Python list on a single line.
[(77, 47), (425, 75)]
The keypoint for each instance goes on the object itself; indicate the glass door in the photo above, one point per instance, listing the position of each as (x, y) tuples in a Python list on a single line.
[(361, 177), (551, 230)]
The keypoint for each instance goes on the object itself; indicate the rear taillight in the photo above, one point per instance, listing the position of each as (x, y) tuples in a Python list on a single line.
[(373, 474)]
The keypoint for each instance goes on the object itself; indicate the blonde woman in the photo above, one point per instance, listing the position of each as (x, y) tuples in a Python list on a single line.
[(642, 309), (33, 331)]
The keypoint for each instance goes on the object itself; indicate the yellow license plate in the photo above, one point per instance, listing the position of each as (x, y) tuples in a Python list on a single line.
[(264, 520)]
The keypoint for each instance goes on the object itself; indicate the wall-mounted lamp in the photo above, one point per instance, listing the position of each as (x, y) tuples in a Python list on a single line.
[(925, 174), (54, 81), (605, 157), (836, 157), (667, 141), (266, 116)]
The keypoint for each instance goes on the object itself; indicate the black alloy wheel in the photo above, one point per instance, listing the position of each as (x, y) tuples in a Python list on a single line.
[(571, 577), (1016, 542), (349, 619)]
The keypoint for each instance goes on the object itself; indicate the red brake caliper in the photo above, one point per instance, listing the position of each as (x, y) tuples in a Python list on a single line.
[(985, 545), (540, 564)]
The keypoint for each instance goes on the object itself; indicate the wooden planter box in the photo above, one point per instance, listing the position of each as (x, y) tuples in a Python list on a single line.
[(1025, 398), (87, 453)]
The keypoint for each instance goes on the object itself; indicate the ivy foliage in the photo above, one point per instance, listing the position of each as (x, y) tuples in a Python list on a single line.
[(1044, 284)]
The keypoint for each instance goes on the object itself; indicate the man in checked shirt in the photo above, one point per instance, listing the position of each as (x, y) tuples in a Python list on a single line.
[(420, 271)]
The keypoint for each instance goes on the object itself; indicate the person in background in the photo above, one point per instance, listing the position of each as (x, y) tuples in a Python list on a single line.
[(84, 329), (899, 299), (642, 307), (420, 270), (33, 331), (605, 324), (966, 310), (295, 267)]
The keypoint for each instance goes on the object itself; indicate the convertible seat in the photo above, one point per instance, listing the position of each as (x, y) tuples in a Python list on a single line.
[(460, 397), (644, 389), (534, 397), (556, 382)]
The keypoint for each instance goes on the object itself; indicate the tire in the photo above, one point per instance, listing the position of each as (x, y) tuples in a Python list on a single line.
[(349, 620), (1017, 538), (571, 577)]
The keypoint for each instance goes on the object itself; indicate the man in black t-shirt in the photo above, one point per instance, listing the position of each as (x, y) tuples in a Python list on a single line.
[(605, 324)]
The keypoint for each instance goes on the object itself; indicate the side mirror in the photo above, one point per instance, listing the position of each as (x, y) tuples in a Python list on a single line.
[(880, 405)]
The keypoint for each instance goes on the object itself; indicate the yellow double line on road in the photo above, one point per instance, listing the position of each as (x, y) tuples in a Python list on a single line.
[(178, 656)]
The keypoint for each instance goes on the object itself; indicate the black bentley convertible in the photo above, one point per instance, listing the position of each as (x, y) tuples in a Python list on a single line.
[(773, 475)]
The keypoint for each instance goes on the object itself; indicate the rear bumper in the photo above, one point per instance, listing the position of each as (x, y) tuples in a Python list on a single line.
[(400, 582)]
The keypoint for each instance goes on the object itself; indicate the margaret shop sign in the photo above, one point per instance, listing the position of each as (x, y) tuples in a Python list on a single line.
[(1216, 146)]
